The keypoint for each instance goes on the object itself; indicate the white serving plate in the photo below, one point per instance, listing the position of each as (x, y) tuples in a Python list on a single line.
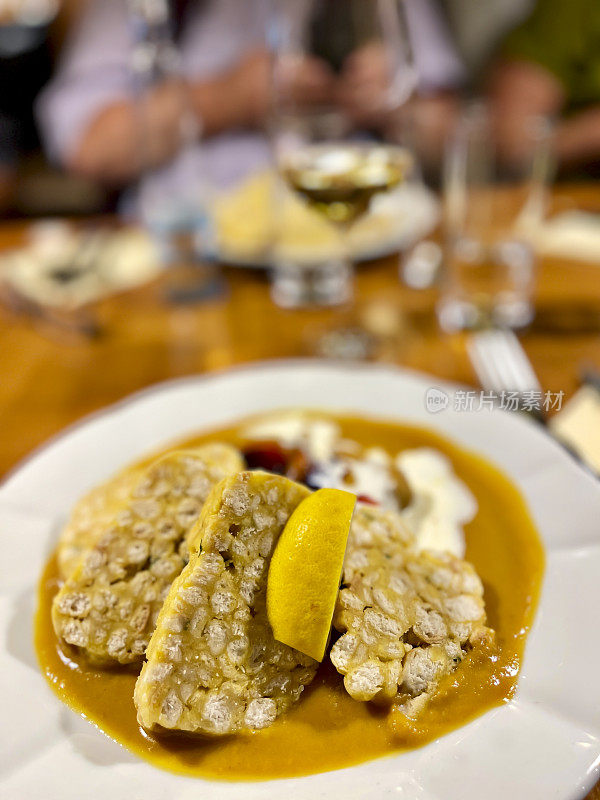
[(395, 222), (545, 743)]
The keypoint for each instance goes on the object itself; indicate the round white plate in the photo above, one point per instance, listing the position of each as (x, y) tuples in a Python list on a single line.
[(395, 222), (545, 743)]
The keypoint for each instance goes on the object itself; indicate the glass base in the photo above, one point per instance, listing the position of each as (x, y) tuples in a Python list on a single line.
[(301, 285), (351, 343), (507, 311), (193, 284)]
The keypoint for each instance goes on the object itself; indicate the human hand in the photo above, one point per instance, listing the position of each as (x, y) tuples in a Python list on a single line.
[(165, 110), (363, 85), (249, 87), (306, 81)]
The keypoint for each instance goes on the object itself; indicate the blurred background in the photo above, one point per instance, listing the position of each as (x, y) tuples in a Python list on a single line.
[(70, 68), (190, 184)]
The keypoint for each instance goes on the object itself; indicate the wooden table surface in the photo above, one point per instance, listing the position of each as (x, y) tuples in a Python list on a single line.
[(50, 378)]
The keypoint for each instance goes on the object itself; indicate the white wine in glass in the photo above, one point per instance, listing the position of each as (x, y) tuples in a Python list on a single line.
[(339, 180)]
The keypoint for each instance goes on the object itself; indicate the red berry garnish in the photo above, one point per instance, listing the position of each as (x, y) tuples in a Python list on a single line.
[(364, 498)]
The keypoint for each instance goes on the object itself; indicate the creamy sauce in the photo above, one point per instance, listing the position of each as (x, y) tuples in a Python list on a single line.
[(442, 503), (315, 435), (327, 729)]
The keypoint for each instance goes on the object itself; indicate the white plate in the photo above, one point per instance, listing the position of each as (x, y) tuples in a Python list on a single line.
[(395, 222), (543, 744)]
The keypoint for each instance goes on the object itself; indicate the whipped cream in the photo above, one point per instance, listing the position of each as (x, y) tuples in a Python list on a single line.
[(441, 504), (317, 437), (363, 477)]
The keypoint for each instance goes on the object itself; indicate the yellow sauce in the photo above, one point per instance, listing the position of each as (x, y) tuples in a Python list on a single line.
[(327, 729)]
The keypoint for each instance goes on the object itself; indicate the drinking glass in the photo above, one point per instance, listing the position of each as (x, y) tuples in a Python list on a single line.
[(340, 68), (173, 198), (490, 204)]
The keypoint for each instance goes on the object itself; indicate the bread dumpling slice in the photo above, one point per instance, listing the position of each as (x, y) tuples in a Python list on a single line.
[(107, 608), (407, 617), (213, 666), (95, 511), (98, 508)]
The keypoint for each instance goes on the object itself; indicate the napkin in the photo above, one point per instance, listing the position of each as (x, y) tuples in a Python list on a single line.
[(63, 267), (571, 234), (578, 425)]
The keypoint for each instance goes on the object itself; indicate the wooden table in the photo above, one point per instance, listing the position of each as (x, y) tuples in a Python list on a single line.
[(50, 379)]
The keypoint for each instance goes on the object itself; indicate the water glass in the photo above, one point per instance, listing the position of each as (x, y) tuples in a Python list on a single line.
[(172, 199), (491, 202)]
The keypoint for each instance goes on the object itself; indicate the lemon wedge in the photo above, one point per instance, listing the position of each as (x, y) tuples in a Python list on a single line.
[(306, 568)]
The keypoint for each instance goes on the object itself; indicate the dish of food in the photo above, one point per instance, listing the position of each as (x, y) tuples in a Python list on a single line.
[(159, 596), (65, 267), (262, 219)]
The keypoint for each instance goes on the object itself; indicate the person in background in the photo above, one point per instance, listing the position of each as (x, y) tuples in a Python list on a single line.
[(479, 27), (430, 114), (24, 66), (89, 116), (550, 66), (89, 113)]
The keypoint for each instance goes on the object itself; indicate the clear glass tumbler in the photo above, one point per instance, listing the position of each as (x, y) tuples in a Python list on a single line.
[(172, 199), (490, 205)]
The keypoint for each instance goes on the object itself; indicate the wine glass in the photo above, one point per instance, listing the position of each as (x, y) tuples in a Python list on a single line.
[(341, 70)]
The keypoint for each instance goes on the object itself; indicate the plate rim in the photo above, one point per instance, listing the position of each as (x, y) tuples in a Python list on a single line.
[(272, 364)]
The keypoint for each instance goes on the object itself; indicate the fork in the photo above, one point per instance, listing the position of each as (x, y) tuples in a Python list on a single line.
[(500, 362), (502, 365)]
